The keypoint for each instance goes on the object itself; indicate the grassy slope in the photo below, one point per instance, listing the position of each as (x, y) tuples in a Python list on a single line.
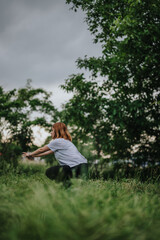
[(33, 207)]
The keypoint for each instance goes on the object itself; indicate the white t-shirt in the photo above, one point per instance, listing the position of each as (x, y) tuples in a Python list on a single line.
[(66, 152)]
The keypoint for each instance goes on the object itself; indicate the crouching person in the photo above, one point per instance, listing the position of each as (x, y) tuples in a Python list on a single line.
[(72, 164)]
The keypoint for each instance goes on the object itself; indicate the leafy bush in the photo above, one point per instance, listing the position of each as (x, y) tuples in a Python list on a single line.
[(120, 171), (10, 153)]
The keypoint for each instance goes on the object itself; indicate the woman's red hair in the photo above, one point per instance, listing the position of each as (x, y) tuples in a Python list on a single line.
[(61, 131)]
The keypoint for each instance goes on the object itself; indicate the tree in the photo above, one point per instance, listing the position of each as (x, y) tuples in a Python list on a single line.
[(84, 111), (124, 111), (21, 110)]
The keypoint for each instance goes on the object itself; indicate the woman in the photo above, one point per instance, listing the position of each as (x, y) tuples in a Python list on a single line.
[(72, 163)]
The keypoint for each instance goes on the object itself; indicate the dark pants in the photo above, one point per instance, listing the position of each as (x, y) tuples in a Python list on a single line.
[(65, 173)]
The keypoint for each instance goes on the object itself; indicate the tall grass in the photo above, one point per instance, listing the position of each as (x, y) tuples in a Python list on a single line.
[(33, 207)]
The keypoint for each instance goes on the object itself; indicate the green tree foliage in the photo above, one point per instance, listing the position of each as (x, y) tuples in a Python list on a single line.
[(21, 110), (121, 111), (85, 111)]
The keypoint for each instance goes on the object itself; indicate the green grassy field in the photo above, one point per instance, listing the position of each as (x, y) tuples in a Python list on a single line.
[(34, 207)]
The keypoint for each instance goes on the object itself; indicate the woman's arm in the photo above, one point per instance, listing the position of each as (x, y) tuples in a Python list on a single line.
[(45, 153), (37, 152)]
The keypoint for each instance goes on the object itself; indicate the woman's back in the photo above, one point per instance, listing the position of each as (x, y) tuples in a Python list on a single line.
[(66, 152)]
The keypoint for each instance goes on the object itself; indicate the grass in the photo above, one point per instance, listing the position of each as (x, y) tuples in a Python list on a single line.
[(34, 207)]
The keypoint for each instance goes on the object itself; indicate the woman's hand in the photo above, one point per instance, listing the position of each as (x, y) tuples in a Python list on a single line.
[(27, 155)]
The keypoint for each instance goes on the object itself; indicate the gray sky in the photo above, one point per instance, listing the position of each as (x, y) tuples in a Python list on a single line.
[(41, 40)]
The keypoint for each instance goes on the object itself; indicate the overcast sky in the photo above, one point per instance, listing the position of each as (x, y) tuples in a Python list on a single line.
[(41, 40)]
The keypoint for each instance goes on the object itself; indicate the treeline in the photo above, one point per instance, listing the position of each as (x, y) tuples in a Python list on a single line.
[(116, 111)]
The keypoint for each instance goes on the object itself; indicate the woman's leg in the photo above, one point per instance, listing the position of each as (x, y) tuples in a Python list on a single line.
[(80, 171), (84, 171), (59, 173)]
